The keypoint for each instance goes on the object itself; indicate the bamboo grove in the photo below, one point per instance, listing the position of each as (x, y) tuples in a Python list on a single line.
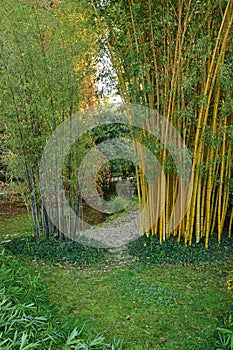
[(46, 67), (176, 57)]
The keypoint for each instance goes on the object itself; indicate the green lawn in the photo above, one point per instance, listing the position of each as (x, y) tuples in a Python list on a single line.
[(149, 305)]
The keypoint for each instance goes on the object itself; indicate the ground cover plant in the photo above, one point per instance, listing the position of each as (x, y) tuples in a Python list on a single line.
[(144, 299)]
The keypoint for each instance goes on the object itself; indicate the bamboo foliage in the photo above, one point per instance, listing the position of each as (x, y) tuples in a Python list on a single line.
[(176, 57), (46, 56)]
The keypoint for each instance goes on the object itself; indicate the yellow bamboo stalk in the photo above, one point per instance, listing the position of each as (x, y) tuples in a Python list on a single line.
[(214, 210), (203, 113), (226, 190), (167, 211), (198, 211), (203, 223), (156, 71), (230, 223), (223, 150), (172, 87), (209, 159)]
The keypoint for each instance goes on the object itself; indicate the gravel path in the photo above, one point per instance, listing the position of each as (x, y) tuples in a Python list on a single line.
[(116, 234)]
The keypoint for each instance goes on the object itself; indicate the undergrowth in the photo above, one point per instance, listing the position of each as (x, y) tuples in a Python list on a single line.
[(53, 250), (149, 250), (27, 319), (146, 250)]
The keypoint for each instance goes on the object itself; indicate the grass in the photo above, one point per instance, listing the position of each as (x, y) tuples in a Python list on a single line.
[(151, 307), (162, 297), (19, 225), (28, 319)]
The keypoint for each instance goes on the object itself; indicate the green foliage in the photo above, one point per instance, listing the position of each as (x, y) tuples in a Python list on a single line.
[(27, 318), (225, 335), (59, 252), (149, 250), (25, 312), (47, 56), (118, 204), (96, 343)]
